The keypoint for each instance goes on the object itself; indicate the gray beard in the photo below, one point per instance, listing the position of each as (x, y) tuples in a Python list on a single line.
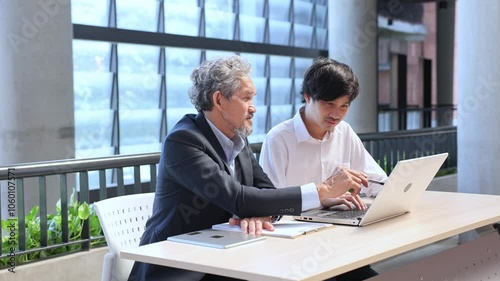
[(243, 132)]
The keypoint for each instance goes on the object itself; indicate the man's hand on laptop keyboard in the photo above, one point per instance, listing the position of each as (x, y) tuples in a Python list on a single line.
[(339, 183), (347, 199)]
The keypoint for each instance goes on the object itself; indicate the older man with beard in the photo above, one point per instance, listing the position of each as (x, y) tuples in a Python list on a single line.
[(208, 173)]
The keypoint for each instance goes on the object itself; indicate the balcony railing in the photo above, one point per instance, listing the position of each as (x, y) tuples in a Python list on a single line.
[(387, 148)]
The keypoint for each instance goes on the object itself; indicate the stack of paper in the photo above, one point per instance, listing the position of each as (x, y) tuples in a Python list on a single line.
[(285, 228)]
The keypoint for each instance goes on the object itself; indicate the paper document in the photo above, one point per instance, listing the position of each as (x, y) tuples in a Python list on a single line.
[(284, 228)]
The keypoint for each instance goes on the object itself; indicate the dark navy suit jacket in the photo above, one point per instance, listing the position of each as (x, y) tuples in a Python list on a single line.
[(195, 190)]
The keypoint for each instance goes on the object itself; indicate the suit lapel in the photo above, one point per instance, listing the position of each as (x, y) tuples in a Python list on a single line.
[(246, 171), (202, 123)]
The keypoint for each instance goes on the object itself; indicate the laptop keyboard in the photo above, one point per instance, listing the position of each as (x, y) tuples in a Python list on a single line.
[(347, 214)]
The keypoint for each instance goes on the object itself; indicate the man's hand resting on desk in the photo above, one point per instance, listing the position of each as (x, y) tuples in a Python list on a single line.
[(253, 225), (341, 181)]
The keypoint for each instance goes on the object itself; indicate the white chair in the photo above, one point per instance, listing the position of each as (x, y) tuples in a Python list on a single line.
[(123, 220)]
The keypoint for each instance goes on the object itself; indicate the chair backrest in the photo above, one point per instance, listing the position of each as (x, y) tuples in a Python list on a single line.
[(123, 220)]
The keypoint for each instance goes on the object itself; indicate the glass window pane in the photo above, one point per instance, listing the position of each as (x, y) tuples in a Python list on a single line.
[(279, 10), (219, 25), (182, 61), (91, 79), (252, 8), (91, 56), (175, 114), (193, 3), (279, 32), (260, 86), (301, 65), (280, 91), (140, 126), (137, 15), (252, 29), (321, 38), (139, 81), (211, 55), (302, 12), (90, 12), (298, 97), (258, 64), (303, 35), (259, 125), (93, 130), (92, 90), (140, 148), (280, 113), (182, 19), (321, 16), (219, 5), (134, 58), (177, 91), (280, 66), (139, 91)]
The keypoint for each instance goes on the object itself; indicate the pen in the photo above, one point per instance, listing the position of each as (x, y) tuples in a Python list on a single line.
[(377, 182), (369, 180)]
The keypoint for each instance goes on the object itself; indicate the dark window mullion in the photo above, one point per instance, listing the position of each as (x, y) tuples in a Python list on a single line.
[(162, 71), (314, 41), (265, 14), (201, 24), (267, 97), (115, 135), (161, 17), (236, 11), (112, 14), (291, 19), (115, 100)]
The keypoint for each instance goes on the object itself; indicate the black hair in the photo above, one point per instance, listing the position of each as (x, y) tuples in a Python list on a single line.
[(327, 79)]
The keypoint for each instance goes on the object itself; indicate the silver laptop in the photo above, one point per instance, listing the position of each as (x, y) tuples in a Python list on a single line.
[(404, 187), (216, 238)]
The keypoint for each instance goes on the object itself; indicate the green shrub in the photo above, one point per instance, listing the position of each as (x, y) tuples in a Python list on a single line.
[(77, 214)]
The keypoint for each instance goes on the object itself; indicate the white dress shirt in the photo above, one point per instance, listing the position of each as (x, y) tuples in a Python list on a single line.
[(232, 147), (290, 156)]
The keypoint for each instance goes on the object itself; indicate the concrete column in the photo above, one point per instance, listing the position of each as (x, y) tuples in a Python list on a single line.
[(478, 87), (36, 74), (352, 35), (445, 46)]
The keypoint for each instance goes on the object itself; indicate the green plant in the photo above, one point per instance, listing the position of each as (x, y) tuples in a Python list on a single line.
[(78, 212)]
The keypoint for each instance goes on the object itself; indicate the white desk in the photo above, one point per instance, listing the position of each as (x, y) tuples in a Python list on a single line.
[(331, 252)]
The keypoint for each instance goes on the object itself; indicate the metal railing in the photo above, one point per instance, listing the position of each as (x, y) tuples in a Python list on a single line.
[(387, 148), (15, 176)]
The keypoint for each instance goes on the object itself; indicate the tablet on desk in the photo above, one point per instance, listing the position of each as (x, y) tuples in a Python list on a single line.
[(215, 238)]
